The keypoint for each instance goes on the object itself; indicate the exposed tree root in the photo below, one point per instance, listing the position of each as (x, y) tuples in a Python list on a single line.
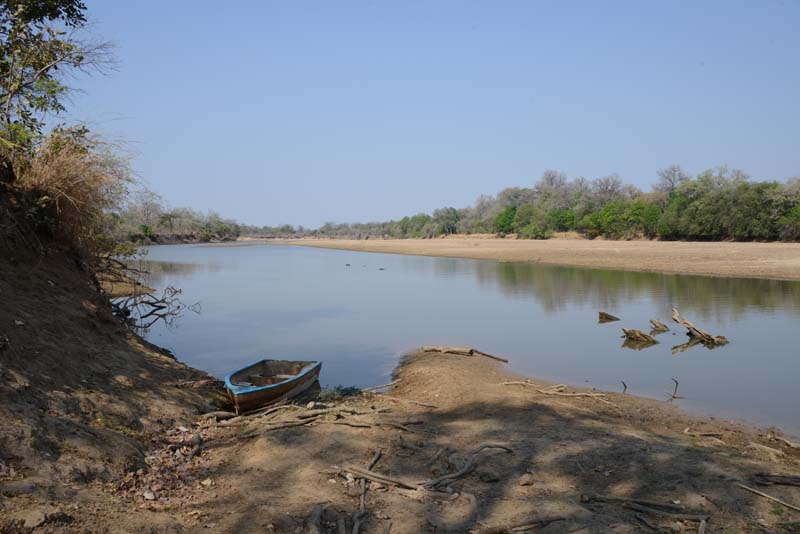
[(466, 468)]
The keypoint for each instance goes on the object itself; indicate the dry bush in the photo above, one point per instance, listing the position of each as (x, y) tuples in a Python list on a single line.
[(79, 180)]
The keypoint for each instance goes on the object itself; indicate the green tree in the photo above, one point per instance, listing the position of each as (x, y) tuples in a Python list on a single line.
[(504, 222), (40, 44)]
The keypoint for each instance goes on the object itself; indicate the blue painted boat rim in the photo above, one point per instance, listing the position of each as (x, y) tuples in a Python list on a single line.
[(244, 390)]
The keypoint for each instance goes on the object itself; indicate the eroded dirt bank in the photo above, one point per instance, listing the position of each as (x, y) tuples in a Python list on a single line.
[(573, 462), (752, 260)]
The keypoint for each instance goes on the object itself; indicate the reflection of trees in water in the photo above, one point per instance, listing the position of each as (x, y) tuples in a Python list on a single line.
[(160, 271), (556, 287)]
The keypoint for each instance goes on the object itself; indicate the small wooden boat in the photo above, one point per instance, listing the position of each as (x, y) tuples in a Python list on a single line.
[(270, 381)]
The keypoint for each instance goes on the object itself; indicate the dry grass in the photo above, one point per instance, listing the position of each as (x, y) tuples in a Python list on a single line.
[(78, 179)]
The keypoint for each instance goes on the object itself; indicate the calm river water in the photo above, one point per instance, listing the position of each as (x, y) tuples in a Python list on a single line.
[(269, 301)]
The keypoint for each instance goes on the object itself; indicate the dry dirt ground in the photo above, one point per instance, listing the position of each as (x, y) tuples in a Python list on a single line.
[(570, 460), (753, 260)]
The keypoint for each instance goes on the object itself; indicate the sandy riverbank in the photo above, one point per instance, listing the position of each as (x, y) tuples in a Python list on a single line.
[(552, 455), (753, 260)]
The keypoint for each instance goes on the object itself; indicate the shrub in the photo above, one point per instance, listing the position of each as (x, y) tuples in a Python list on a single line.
[(80, 180), (534, 231), (504, 222)]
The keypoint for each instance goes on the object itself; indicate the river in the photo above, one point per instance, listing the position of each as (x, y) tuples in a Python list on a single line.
[(359, 312)]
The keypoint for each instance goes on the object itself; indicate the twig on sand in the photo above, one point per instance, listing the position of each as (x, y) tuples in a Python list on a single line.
[(624, 386), (526, 383), (463, 351), (390, 384), (614, 498), (377, 477), (558, 390), (770, 497), (409, 401), (688, 432), (671, 515), (519, 526), (362, 501), (338, 411), (646, 522), (466, 468)]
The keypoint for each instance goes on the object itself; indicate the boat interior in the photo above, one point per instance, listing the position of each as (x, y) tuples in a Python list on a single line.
[(269, 372)]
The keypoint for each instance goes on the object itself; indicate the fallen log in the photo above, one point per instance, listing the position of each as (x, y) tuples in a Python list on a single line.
[(604, 317), (706, 338)]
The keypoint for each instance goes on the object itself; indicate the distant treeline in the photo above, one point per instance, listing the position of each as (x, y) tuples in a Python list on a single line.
[(717, 204), (145, 219)]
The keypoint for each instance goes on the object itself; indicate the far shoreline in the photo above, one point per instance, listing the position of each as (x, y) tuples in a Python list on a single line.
[(774, 261)]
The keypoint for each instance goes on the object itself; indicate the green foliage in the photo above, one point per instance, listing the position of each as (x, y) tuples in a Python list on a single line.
[(504, 222), (561, 220), (35, 56)]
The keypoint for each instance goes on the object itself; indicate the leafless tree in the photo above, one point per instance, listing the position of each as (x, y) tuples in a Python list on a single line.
[(670, 178)]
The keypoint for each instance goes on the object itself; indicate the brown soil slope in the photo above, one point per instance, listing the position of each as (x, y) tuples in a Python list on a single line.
[(79, 395)]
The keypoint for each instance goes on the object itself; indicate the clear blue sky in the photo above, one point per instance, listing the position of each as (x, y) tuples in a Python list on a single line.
[(302, 112)]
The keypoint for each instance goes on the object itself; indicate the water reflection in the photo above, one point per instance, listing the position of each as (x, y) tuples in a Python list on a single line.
[(710, 298)]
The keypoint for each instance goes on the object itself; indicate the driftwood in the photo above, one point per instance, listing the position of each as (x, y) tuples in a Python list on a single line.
[(463, 351), (638, 335), (465, 469), (604, 317), (658, 326), (769, 497), (693, 331)]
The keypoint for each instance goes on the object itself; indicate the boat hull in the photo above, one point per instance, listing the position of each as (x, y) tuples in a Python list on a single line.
[(248, 398)]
